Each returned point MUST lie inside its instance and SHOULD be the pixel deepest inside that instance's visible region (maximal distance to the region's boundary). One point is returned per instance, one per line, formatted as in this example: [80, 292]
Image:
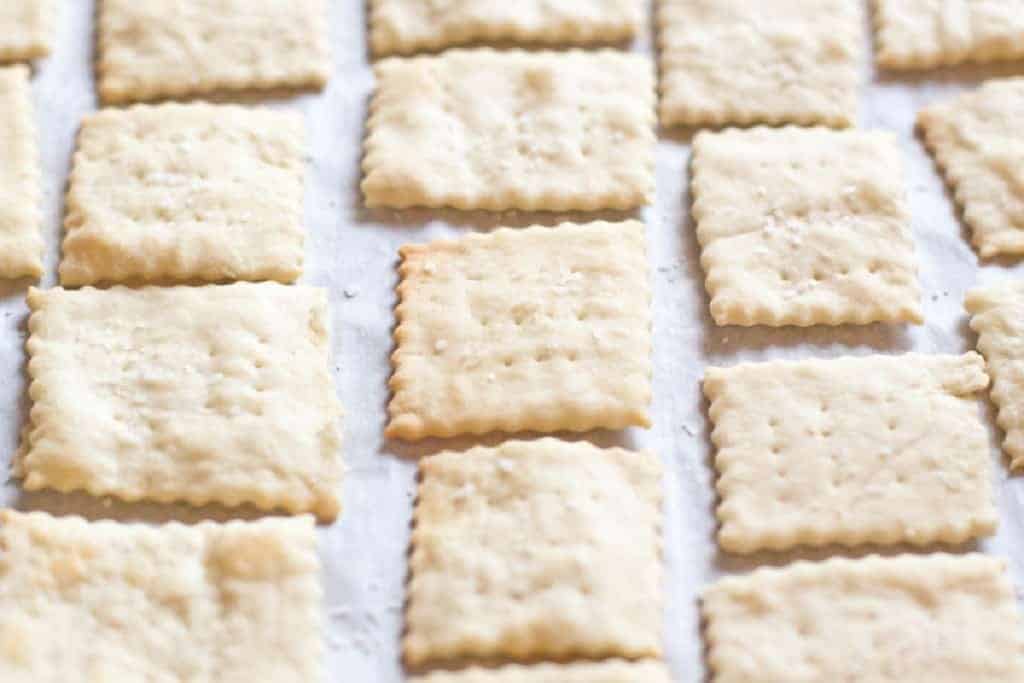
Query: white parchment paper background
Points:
[352, 252]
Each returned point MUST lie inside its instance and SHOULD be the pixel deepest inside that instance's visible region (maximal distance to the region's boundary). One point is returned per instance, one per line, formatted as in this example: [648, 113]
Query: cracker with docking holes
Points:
[215, 394]
[185, 193]
[406, 26]
[790, 237]
[103, 601]
[541, 329]
[156, 49]
[950, 618]
[535, 550]
[920, 34]
[773, 61]
[535, 131]
[21, 238]
[855, 450]
[976, 142]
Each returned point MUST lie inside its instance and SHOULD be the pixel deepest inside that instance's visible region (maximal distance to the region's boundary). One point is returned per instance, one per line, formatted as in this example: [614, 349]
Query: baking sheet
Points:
[352, 252]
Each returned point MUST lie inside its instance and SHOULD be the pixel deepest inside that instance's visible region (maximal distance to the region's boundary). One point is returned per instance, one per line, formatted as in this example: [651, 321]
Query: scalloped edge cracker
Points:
[154, 49]
[499, 130]
[855, 450]
[997, 316]
[949, 618]
[26, 29]
[976, 143]
[772, 61]
[532, 550]
[185, 193]
[21, 220]
[198, 394]
[102, 601]
[406, 26]
[610, 671]
[541, 329]
[922, 34]
[790, 237]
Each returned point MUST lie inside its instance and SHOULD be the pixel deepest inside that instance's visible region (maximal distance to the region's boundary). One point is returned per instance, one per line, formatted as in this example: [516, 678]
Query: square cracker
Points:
[102, 601]
[541, 329]
[976, 141]
[405, 26]
[21, 239]
[919, 34]
[900, 620]
[26, 29]
[997, 315]
[185, 192]
[905, 619]
[197, 394]
[876, 449]
[771, 61]
[154, 49]
[482, 129]
[533, 550]
[790, 237]
[610, 671]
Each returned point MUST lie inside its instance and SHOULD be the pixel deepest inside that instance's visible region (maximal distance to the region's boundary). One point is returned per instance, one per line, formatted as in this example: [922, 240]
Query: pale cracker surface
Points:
[976, 141]
[875, 449]
[26, 29]
[536, 549]
[541, 329]
[483, 129]
[185, 192]
[907, 619]
[611, 671]
[21, 239]
[406, 26]
[997, 315]
[197, 394]
[790, 237]
[154, 49]
[770, 61]
[210, 603]
[920, 34]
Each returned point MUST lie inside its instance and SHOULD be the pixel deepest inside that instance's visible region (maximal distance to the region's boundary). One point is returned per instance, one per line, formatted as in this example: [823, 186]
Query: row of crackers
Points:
[797, 227]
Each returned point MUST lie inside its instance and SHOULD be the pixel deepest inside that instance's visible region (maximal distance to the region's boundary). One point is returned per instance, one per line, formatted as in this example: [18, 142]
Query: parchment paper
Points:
[352, 252]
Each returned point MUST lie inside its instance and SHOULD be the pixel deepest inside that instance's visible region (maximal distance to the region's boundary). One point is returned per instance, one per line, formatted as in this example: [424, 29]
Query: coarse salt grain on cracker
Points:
[406, 26]
[541, 329]
[997, 316]
[920, 34]
[199, 394]
[976, 141]
[609, 671]
[185, 192]
[876, 449]
[535, 550]
[155, 49]
[26, 29]
[21, 239]
[498, 130]
[905, 619]
[102, 601]
[771, 61]
[791, 237]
